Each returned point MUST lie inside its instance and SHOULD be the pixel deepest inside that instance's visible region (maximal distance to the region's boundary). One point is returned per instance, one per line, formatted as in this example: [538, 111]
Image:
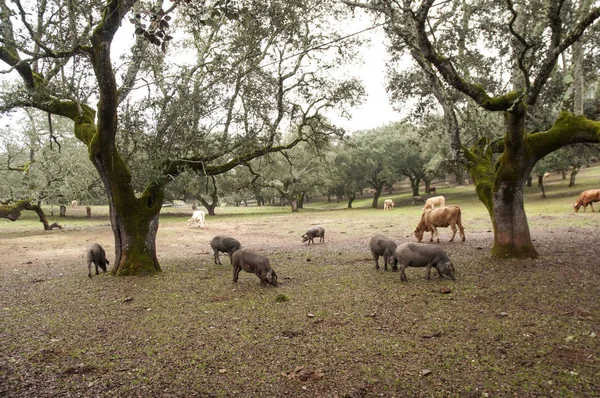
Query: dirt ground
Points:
[335, 327]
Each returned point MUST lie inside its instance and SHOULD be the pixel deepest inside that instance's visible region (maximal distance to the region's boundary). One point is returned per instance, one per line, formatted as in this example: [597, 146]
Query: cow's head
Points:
[576, 206]
[419, 233]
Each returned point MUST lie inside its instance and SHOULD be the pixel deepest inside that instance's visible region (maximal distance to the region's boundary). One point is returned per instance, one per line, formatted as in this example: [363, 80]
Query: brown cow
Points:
[440, 217]
[586, 198]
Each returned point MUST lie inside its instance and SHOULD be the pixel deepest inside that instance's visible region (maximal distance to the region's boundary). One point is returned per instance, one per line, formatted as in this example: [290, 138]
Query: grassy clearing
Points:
[334, 327]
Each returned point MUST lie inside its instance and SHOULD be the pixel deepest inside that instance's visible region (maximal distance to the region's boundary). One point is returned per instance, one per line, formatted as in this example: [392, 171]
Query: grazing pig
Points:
[224, 244]
[95, 254]
[412, 254]
[250, 261]
[314, 232]
[382, 246]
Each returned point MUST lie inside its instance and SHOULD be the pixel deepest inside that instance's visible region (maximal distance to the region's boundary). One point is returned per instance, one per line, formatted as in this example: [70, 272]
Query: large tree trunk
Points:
[135, 244]
[511, 230]
[134, 221]
[500, 187]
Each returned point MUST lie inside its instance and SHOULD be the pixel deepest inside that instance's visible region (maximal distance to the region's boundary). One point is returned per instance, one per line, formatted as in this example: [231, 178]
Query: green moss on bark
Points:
[568, 129]
[139, 219]
[512, 251]
[481, 170]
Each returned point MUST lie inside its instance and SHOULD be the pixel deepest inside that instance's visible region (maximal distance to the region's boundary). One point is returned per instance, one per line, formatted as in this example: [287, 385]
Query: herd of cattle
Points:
[409, 254]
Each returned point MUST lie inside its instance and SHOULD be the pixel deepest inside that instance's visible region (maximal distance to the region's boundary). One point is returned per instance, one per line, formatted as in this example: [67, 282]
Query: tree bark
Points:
[541, 186]
[414, 185]
[300, 200]
[351, 198]
[134, 221]
[214, 195]
[574, 172]
[13, 211]
[376, 196]
[500, 185]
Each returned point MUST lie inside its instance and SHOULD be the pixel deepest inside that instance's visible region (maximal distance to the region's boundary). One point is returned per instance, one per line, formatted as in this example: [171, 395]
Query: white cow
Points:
[197, 219]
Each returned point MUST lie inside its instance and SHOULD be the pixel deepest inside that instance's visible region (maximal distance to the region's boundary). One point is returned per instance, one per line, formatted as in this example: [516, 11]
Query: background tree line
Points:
[371, 160]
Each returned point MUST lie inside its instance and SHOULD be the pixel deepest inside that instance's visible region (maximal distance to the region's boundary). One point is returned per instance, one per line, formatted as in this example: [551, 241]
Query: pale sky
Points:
[376, 110]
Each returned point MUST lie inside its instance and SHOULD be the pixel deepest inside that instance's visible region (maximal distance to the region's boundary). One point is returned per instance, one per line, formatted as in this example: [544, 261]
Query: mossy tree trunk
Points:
[300, 200]
[511, 229]
[134, 220]
[500, 183]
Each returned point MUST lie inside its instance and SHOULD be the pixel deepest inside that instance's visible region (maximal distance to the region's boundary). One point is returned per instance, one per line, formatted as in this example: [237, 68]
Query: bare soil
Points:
[335, 327]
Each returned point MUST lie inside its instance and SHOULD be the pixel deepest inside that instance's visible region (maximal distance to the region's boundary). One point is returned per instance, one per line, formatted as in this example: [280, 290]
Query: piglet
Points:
[95, 254]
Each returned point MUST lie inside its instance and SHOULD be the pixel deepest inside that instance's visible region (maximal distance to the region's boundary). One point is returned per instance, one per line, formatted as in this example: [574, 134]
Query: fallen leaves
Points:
[304, 374]
[432, 335]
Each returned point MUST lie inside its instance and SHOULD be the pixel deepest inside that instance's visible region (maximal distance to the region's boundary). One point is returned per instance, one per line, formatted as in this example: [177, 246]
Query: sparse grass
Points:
[334, 327]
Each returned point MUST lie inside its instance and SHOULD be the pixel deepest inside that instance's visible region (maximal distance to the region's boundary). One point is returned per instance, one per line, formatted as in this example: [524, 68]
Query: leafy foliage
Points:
[52, 170]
